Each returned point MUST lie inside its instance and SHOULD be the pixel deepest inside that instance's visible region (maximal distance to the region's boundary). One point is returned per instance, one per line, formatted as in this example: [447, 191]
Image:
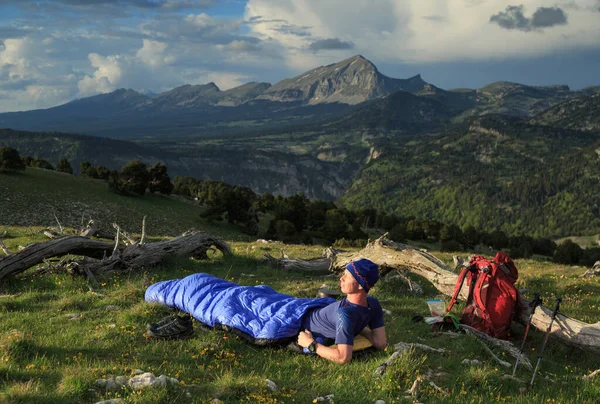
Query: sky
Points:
[54, 51]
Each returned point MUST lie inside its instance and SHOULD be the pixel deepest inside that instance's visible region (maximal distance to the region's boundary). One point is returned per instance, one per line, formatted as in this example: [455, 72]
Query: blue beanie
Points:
[365, 272]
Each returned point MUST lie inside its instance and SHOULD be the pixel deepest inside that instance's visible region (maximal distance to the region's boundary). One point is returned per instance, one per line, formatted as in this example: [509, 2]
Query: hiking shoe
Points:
[171, 321]
[168, 334]
[178, 328]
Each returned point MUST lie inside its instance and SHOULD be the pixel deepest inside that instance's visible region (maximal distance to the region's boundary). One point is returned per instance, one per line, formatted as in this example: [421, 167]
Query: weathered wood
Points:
[95, 232]
[319, 265]
[506, 346]
[143, 238]
[35, 254]
[399, 348]
[131, 257]
[589, 377]
[129, 238]
[3, 248]
[51, 234]
[594, 271]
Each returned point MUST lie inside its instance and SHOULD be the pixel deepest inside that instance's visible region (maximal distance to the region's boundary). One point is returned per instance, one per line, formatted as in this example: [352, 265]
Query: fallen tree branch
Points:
[4, 249]
[143, 238]
[131, 257]
[594, 271]
[60, 228]
[414, 390]
[50, 234]
[481, 337]
[290, 264]
[589, 377]
[399, 349]
[129, 238]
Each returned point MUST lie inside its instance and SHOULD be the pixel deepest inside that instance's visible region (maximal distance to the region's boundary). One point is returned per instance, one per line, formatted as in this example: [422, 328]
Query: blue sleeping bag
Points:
[262, 315]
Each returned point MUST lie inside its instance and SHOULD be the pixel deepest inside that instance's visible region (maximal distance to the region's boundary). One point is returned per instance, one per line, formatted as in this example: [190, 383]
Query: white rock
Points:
[379, 402]
[466, 362]
[139, 372]
[385, 311]
[188, 394]
[113, 401]
[271, 385]
[101, 383]
[111, 385]
[160, 381]
[73, 316]
[142, 381]
[476, 362]
[328, 398]
[121, 380]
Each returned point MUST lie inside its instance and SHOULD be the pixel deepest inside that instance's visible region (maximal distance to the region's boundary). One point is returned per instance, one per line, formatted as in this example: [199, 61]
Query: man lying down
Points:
[322, 326]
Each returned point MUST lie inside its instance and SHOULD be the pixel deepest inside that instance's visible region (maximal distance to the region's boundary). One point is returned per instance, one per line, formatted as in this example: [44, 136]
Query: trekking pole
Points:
[537, 300]
[541, 354]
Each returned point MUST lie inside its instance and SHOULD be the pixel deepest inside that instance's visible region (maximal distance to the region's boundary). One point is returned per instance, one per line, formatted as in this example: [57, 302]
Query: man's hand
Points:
[305, 338]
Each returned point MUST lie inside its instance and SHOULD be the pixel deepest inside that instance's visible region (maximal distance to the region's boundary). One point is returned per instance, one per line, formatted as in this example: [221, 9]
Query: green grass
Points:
[30, 198]
[53, 359]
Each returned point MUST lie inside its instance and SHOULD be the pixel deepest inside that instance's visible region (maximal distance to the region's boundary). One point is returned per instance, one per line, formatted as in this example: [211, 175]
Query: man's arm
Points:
[341, 354]
[377, 337]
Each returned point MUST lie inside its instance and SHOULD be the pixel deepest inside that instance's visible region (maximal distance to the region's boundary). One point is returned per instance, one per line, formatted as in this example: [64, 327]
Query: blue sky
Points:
[53, 51]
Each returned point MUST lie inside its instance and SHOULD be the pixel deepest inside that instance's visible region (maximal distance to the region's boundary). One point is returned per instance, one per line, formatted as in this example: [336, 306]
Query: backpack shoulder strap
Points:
[459, 284]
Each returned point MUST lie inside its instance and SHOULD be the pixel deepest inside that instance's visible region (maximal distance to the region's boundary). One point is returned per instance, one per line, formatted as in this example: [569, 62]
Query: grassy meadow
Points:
[34, 197]
[58, 336]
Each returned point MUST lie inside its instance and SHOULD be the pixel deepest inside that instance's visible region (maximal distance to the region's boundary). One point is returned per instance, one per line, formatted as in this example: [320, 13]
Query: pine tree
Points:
[10, 160]
[64, 166]
[159, 180]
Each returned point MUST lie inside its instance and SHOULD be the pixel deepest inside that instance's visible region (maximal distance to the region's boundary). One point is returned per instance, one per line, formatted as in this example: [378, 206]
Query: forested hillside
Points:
[500, 173]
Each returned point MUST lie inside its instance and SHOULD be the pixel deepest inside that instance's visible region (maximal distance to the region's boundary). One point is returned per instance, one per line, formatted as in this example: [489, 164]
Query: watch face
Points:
[312, 347]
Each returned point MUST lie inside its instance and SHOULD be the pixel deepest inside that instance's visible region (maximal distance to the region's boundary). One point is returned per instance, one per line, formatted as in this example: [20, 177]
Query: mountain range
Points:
[319, 94]
[524, 159]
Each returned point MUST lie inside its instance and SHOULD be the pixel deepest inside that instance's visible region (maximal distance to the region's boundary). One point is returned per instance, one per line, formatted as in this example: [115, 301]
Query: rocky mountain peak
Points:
[350, 81]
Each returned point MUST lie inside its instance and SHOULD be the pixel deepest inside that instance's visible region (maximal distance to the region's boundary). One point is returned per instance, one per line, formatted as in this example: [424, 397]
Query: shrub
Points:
[41, 163]
[449, 246]
[568, 253]
[64, 166]
[10, 160]
[159, 180]
[134, 177]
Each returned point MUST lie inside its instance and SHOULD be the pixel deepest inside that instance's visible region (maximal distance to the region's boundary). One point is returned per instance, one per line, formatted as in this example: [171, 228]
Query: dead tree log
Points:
[106, 257]
[390, 255]
[320, 265]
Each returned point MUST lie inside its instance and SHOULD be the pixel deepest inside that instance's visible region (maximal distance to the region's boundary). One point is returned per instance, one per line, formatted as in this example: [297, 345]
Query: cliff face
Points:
[350, 81]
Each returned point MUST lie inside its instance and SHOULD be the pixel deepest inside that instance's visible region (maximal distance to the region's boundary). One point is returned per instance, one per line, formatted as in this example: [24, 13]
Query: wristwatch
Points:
[312, 348]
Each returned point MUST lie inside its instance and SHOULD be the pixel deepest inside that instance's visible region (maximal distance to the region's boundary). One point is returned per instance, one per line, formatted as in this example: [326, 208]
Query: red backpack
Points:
[493, 298]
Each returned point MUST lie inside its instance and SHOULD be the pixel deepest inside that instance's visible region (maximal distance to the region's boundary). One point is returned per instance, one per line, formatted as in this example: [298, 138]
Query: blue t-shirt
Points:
[342, 321]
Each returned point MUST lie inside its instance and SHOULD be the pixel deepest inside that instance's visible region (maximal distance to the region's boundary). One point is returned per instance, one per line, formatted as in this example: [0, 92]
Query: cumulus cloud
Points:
[194, 28]
[414, 31]
[330, 44]
[82, 47]
[544, 17]
[241, 46]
